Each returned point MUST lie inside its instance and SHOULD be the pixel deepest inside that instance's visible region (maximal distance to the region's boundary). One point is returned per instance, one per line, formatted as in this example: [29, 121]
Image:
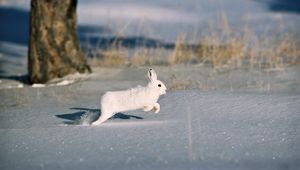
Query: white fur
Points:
[139, 97]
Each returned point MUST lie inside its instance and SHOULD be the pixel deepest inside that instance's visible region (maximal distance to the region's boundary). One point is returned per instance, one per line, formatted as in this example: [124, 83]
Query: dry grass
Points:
[222, 47]
[181, 53]
[219, 54]
[146, 56]
[245, 49]
[112, 57]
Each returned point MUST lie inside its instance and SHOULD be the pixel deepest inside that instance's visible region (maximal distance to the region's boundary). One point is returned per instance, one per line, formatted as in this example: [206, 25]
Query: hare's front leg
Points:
[156, 108]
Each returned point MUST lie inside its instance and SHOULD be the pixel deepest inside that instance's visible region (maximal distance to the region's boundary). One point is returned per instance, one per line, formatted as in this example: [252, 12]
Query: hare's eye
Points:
[159, 85]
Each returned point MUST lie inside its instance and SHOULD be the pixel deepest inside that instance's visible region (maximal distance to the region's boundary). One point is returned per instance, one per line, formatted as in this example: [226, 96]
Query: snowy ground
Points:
[47, 128]
[194, 130]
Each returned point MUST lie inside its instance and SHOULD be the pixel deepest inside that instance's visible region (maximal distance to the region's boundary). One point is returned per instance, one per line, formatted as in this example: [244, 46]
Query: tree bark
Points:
[54, 48]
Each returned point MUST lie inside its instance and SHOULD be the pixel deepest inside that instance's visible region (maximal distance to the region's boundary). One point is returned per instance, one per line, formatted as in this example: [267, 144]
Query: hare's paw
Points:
[156, 108]
[99, 121]
[96, 123]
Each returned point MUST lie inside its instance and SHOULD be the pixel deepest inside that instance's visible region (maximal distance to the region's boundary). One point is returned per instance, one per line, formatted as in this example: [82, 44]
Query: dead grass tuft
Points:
[245, 49]
[181, 53]
[146, 56]
[112, 57]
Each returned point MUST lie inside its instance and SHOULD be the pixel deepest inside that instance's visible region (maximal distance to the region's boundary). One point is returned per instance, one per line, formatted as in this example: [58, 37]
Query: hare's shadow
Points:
[85, 116]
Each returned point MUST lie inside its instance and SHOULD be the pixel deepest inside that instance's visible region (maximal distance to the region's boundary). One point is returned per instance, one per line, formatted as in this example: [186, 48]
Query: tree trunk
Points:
[54, 49]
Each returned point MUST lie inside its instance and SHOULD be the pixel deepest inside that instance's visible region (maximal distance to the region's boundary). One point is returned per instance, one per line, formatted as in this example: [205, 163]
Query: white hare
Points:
[139, 97]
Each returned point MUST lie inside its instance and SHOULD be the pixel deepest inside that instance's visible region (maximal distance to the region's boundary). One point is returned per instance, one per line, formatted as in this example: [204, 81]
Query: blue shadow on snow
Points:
[76, 118]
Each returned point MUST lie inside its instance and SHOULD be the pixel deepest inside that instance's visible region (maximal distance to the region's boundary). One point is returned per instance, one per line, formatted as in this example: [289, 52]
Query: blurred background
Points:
[215, 36]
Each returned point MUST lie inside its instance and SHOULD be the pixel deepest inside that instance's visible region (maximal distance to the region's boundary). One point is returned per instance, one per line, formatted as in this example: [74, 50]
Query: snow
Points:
[99, 12]
[60, 83]
[164, 20]
[13, 59]
[38, 85]
[49, 127]
[65, 82]
[194, 130]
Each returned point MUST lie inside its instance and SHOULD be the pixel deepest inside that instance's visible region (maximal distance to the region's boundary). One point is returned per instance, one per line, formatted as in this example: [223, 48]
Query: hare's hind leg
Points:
[104, 116]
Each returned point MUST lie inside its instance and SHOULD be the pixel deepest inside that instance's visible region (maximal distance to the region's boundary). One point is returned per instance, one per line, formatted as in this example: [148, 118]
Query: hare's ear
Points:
[152, 75]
